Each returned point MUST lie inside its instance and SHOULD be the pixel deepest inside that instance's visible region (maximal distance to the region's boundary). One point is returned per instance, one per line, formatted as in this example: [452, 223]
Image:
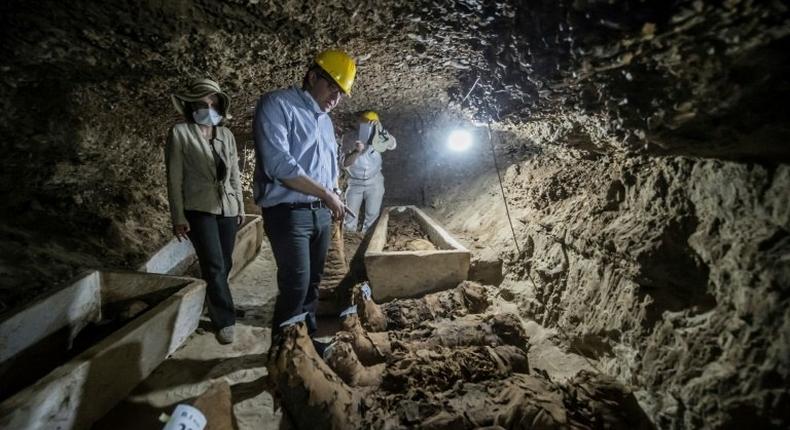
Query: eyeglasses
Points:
[334, 88]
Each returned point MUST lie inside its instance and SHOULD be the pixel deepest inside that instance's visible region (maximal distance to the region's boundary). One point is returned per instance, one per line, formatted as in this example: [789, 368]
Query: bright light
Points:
[459, 140]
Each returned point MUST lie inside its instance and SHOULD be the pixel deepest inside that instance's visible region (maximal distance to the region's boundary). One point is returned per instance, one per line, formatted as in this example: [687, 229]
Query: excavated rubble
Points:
[404, 233]
[669, 272]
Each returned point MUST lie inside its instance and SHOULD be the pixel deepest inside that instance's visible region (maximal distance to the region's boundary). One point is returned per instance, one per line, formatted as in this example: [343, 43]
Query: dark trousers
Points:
[299, 240]
[213, 237]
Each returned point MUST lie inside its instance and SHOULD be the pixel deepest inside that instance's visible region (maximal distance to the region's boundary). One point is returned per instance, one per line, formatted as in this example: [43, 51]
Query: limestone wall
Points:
[672, 272]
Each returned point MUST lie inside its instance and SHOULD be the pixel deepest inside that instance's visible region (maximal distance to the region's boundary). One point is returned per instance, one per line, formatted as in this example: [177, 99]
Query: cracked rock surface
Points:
[642, 146]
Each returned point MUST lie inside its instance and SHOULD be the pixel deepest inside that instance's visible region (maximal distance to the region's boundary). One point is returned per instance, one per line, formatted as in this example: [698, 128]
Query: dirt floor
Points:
[202, 360]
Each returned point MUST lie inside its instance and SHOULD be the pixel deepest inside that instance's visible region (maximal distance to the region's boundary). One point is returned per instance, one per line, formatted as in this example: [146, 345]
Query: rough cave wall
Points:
[645, 145]
[672, 272]
[651, 202]
[422, 167]
[85, 92]
[404, 168]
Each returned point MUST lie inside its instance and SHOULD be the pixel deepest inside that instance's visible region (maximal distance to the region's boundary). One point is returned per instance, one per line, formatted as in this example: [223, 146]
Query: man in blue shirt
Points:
[295, 177]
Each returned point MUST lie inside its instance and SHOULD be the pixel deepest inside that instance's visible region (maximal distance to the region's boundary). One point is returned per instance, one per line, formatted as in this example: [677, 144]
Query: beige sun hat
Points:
[196, 91]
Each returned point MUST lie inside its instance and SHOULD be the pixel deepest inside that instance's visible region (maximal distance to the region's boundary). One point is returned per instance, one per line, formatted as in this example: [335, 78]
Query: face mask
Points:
[206, 116]
[365, 129]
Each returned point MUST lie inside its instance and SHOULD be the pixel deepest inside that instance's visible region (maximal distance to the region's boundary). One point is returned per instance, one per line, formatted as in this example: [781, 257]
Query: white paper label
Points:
[186, 417]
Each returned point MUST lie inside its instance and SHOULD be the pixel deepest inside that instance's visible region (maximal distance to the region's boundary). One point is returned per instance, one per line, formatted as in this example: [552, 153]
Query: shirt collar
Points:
[310, 101]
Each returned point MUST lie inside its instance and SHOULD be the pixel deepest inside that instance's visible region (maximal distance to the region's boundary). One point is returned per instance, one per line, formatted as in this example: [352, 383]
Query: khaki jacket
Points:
[192, 174]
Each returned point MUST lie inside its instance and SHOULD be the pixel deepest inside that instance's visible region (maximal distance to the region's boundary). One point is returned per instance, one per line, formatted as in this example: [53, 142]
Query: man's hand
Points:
[334, 204]
[359, 147]
[180, 231]
[307, 185]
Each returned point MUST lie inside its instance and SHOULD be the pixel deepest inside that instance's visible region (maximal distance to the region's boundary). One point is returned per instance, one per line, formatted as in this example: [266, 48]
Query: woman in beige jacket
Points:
[204, 190]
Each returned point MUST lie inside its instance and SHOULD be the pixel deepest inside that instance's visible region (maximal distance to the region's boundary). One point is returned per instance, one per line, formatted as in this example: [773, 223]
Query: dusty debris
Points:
[517, 402]
[404, 233]
[599, 401]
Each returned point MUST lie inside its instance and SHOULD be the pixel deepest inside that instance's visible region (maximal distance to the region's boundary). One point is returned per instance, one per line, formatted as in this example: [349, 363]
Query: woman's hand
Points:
[180, 231]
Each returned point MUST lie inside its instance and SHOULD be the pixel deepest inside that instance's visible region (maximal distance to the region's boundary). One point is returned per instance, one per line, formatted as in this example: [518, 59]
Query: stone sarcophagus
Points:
[410, 254]
[68, 357]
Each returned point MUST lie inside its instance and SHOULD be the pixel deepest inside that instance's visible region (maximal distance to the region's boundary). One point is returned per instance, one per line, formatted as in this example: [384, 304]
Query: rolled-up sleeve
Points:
[270, 131]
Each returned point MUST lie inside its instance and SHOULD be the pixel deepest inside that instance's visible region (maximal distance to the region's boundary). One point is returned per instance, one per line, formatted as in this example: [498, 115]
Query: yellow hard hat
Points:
[340, 66]
[369, 116]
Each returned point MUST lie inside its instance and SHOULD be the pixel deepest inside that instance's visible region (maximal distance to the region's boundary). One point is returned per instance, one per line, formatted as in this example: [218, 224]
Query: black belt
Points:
[317, 204]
